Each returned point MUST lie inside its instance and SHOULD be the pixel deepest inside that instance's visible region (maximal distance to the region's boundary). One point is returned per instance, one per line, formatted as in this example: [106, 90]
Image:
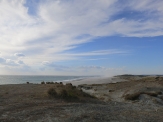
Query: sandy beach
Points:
[98, 80]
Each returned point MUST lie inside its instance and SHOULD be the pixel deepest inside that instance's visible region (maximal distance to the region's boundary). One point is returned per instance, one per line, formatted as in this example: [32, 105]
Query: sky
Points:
[81, 37]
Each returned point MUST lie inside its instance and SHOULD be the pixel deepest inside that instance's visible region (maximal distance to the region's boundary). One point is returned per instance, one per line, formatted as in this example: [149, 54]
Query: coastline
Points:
[97, 80]
[77, 80]
[36, 79]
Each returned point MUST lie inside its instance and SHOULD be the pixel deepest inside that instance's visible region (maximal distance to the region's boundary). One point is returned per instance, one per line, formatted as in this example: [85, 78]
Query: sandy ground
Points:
[98, 80]
[131, 99]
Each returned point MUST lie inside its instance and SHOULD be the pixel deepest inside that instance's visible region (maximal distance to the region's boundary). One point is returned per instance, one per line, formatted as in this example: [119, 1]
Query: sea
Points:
[37, 79]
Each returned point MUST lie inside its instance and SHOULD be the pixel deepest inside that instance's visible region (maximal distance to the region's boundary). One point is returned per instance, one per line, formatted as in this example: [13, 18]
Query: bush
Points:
[50, 82]
[68, 95]
[42, 82]
[68, 84]
[52, 92]
[135, 96]
[73, 87]
[63, 94]
[157, 78]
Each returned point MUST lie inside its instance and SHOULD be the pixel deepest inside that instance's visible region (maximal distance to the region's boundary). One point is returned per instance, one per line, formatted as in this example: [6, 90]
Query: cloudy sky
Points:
[81, 37]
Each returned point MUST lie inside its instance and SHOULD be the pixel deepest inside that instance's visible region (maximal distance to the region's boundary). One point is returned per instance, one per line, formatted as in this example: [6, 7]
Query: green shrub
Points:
[52, 92]
[68, 84]
[49, 82]
[42, 82]
[63, 94]
[68, 93]
[73, 87]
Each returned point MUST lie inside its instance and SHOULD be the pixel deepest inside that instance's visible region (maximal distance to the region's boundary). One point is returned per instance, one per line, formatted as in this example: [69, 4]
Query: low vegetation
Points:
[42, 82]
[67, 92]
[52, 92]
[135, 96]
[49, 82]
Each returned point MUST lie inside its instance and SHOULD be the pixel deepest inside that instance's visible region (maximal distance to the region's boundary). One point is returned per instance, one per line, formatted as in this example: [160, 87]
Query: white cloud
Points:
[20, 62]
[146, 5]
[52, 65]
[2, 60]
[101, 68]
[7, 62]
[19, 54]
[48, 67]
[11, 63]
[92, 67]
[58, 26]
[45, 63]
[97, 53]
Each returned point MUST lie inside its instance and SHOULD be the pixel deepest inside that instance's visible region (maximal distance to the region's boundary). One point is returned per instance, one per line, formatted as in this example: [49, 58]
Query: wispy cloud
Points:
[95, 59]
[10, 62]
[54, 27]
[2, 60]
[19, 54]
[98, 53]
[80, 70]
[57, 24]
[7, 62]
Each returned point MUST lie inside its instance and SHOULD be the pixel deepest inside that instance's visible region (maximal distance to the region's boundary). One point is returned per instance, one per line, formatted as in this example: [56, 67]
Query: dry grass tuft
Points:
[52, 92]
[135, 96]
[67, 92]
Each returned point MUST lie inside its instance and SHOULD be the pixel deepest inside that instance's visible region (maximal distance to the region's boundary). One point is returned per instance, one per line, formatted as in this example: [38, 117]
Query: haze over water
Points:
[20, 79]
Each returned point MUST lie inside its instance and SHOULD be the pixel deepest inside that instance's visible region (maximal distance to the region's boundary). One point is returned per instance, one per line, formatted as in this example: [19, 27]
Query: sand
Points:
[98, 80]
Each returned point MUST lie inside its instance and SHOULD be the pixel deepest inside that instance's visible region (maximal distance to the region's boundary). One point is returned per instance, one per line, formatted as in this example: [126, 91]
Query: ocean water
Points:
[19, 79]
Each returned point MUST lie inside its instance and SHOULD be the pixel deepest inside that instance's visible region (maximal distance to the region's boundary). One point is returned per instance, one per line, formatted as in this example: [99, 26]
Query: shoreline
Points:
[78, 81]
[4, 80]
[97, 80]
